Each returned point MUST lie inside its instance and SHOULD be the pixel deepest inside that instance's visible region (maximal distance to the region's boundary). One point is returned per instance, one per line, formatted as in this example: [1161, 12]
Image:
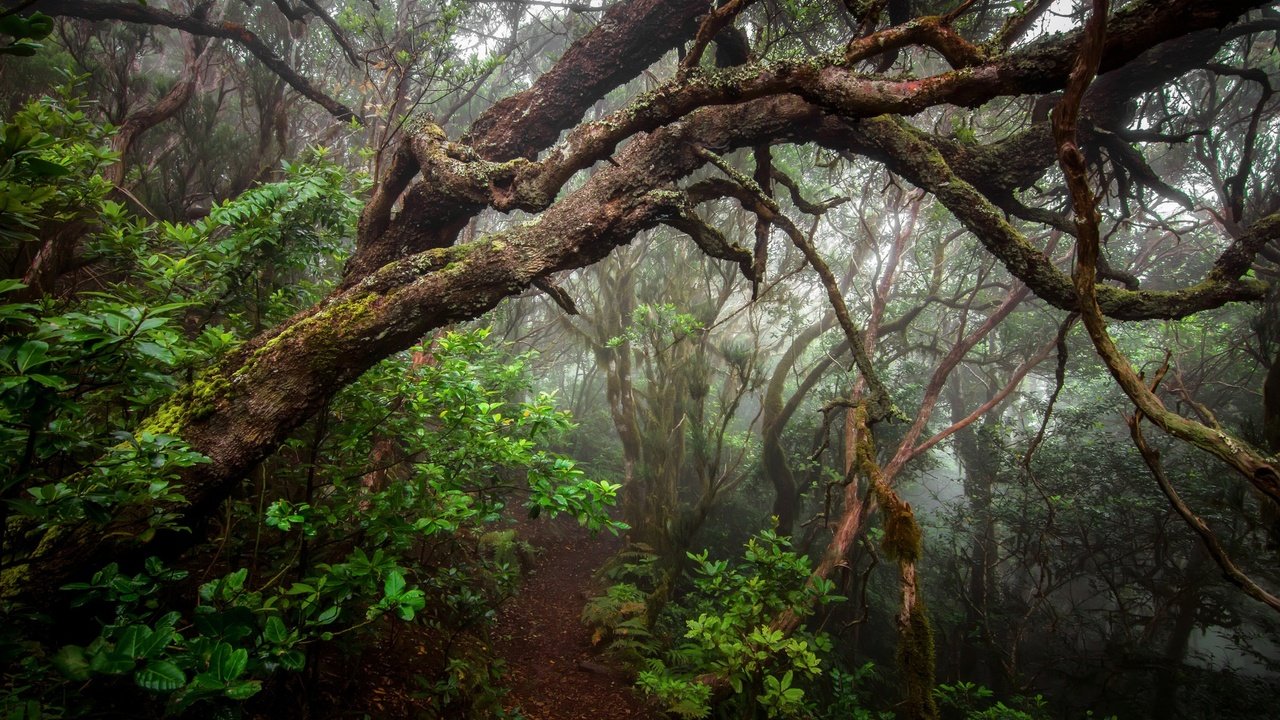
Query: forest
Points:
[640, 359]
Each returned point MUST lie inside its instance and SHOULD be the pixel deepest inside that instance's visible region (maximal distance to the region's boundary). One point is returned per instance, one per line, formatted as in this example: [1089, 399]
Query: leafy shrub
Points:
[971, 701]
[375, 513]
[728, 634]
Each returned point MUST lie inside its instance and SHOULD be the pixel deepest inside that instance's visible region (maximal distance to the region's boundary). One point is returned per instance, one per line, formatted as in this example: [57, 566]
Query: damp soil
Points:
[549, 664]
[553, 670]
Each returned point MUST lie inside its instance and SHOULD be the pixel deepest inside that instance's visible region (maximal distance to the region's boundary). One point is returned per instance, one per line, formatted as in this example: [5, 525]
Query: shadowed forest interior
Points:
[639, 359]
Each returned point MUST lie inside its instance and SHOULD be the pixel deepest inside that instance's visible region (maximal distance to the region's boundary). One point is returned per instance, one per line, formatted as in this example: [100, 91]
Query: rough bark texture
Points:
[406, 279]
[629, 38]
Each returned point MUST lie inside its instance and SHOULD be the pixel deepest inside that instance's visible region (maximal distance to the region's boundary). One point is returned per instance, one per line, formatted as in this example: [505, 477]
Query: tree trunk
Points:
[979, 661]
[1271, 436]
[773, 458]
[402, 282]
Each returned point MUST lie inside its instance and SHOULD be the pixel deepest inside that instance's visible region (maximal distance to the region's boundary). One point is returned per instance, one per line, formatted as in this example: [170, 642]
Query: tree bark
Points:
[404, 282]
[773, 457]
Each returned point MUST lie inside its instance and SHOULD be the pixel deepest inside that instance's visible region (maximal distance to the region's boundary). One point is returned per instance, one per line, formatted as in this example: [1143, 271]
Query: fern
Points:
[613, 607]
[619, 621]
[636, 563]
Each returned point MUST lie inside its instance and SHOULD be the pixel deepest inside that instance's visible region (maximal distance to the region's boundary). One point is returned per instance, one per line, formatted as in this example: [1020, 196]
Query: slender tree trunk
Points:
[773, 457]
[1169, 673]
[1271, 436]
[978, 659]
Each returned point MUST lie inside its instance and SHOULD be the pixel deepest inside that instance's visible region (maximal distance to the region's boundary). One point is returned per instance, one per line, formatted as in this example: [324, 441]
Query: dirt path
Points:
[541, 637]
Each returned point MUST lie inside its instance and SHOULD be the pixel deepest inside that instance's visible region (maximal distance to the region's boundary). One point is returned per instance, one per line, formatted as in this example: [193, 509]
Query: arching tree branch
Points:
[194, 24]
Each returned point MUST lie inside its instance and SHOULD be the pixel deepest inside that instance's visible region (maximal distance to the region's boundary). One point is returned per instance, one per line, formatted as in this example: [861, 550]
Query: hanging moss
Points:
[915, 657]
[902, 537]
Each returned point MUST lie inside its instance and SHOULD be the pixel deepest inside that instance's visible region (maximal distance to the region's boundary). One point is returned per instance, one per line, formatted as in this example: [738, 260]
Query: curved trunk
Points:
[195, 61]
[774, 419]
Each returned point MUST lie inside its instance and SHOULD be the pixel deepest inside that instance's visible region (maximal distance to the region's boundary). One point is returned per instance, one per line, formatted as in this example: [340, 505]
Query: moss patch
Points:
[321, 329]
[194, 401]
[915, 658]
[902, 537]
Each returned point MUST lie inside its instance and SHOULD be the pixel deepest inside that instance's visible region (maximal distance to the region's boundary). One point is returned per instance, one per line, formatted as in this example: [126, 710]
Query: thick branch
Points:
[142, 14]
[630, 37]
[933, 32]
[431, 218]
[711, 26]
[918, 161]
[1230, 570]
[239, 411]
[195, 60]
[1253, 465]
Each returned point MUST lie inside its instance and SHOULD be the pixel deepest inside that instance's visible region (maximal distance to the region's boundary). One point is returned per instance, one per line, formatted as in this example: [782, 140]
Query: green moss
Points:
[321, 329]
[422, 126]
[194, 401]
[915, 657]
[17, 578]
[902, 537]
[431, 260]
[667, 197]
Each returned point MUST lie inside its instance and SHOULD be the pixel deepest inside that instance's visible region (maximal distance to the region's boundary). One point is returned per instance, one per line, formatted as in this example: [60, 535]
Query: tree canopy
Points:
[800, 247]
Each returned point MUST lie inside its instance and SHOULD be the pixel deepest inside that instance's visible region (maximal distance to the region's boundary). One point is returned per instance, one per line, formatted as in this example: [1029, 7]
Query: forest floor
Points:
[552, 669]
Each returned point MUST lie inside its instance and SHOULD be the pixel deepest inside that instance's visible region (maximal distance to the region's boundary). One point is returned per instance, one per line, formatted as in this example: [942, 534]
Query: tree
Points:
[409, 275]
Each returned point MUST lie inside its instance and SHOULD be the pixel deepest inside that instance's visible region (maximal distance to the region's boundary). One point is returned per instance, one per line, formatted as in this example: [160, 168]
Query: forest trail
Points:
[543, 641]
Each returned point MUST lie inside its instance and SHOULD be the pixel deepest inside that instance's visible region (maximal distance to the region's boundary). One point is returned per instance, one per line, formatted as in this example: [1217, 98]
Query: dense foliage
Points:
[377, 513]
[921, 373]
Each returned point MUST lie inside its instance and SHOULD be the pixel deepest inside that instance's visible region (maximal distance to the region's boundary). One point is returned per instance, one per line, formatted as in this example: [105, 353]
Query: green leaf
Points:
[14, 25]
[156, 352]
[153, 642]
[394, 584]
[327, 616]
[53, 382]
[243, 690]
[293, 660]
[21, 48]
[31, 354]
[72, 662]
[206, 682]
[275, 632]
[300, 589]
[132, 640]
[160, 676]
[39, 25]
[44, 168]
[111, 663]
[228, 664]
